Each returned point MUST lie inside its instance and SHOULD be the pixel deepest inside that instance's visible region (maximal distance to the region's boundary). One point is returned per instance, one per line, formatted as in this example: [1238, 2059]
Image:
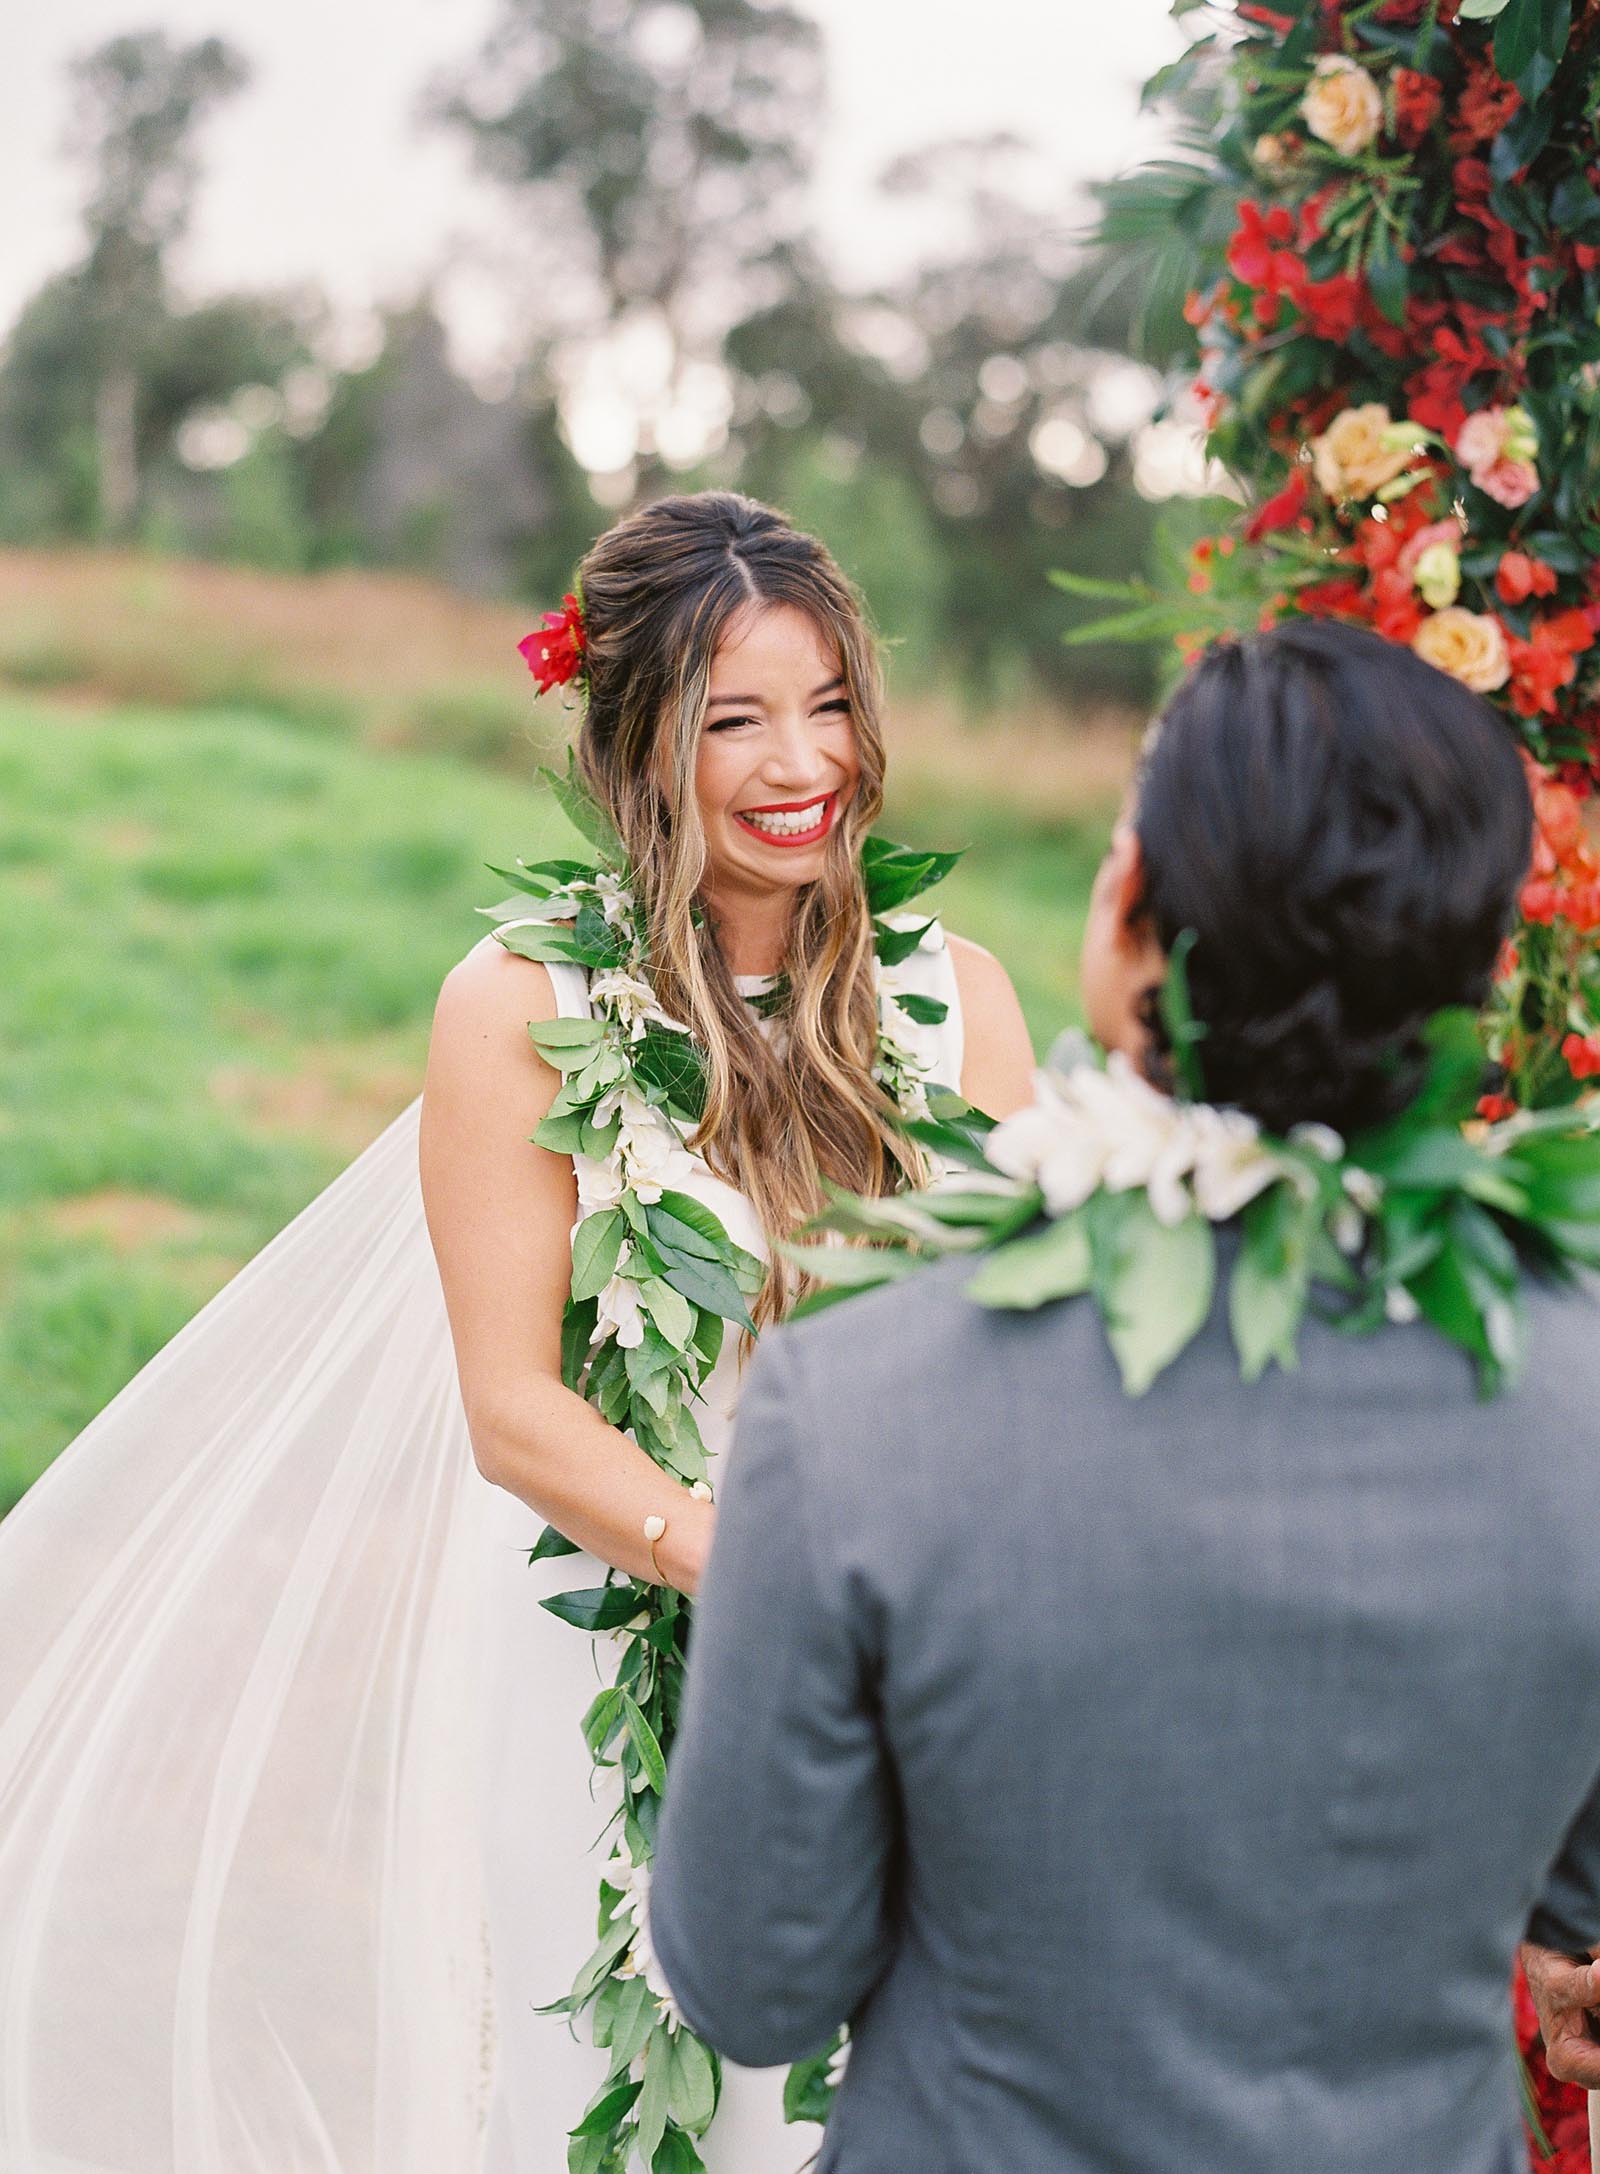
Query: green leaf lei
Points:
[1106, 1187]
[656, 1283]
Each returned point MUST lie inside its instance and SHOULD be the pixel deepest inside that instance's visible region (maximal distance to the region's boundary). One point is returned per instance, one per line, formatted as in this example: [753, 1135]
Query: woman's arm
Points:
[998, 1065]
[500, 1213]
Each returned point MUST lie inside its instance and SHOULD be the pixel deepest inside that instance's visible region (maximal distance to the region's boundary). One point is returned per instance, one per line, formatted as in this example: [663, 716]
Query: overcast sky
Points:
[317, 172]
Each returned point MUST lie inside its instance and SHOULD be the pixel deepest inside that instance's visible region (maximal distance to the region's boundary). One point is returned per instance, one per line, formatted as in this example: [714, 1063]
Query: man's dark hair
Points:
[1345, 829]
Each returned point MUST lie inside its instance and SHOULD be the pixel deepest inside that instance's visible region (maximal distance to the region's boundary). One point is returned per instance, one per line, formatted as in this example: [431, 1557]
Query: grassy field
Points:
[222, 929]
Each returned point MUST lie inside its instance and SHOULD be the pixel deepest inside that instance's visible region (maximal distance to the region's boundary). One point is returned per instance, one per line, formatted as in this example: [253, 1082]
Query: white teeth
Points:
[790, 823]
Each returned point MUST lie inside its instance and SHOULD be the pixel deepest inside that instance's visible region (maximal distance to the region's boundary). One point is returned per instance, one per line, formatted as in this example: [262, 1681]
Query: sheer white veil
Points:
[240, 1925]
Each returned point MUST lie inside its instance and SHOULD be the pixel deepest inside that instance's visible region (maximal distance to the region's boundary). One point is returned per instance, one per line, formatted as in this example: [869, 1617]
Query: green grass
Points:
[220, 943]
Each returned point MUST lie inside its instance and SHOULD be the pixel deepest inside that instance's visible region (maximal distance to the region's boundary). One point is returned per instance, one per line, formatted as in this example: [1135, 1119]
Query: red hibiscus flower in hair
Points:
[554, 650]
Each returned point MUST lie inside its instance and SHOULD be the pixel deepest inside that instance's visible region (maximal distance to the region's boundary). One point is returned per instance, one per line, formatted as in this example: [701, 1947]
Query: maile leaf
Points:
[595, 1607]
[582, 813]
[707, 1285]
[596, 1246]
[551, 1543]
[702, 1230]
[645, 1742]
[670, 1310]
[655, 2098]
[1154, 1281]
[895, 873]
[692, 2092]
[895, 945]
[1031, 1272]
[1271, 1278]
[608, 2110]
[633, 2022]
[567, 1043]
[675, 2154]
[807, 2095]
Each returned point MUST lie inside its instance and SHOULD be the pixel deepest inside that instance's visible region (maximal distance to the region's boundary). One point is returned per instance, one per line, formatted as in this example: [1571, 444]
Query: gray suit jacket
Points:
[1159, 1786]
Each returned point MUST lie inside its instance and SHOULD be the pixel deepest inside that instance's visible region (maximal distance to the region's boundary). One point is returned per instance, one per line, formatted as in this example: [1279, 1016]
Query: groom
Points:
[1164, 1786]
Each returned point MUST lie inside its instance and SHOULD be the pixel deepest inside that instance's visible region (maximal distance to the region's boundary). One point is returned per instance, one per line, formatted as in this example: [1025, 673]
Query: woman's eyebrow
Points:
[754, 701]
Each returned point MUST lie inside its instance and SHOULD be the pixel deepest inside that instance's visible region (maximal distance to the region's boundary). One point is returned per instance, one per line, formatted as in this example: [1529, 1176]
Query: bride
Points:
[296, 1819]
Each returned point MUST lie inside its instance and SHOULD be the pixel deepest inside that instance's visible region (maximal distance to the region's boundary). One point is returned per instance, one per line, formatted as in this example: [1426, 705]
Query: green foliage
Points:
[218, 963]
[1431, 1213]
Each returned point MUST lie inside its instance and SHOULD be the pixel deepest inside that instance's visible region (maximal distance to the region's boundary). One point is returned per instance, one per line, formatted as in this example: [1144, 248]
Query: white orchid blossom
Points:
[631, 1001]
[648, 1156]
[1231, 1165]
[600, 1184]
[620, 1314]
[616, 900]
[634, 1883]
[1087, 1129]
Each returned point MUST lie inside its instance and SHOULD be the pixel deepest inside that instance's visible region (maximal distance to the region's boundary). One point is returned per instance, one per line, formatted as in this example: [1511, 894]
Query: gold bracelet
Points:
[654, 1530]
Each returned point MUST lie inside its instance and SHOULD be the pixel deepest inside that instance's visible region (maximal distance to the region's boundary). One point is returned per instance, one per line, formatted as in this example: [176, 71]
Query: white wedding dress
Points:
[295, 1815]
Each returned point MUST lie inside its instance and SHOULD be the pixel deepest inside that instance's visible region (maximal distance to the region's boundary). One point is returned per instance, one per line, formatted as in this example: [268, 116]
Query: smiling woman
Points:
[740, 1019]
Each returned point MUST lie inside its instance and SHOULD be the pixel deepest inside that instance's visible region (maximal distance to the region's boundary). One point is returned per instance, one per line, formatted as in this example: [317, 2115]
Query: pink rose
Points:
[1481, 440]
[1508, 482]
[1497, 447]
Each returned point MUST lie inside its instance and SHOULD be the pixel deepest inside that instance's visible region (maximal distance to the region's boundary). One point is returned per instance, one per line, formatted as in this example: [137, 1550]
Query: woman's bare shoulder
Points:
[997, 1073]
[488, 1001]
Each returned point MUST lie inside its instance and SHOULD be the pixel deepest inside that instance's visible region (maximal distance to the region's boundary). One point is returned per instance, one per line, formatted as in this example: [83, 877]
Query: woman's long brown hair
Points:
[661, 591]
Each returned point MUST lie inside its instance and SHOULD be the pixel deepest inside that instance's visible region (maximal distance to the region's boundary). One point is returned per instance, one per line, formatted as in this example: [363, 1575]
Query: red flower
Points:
[1281, 511]
[1496, 1108]
[1582, 1052]
[1399, 610]
[1332, 308]
[554, 650]
[1417, 100]
[1485, 105]
[1560, 818]
[1521, 576]
[1337, 599]
[1267, 18]
[1256, 255]
[1540, 900]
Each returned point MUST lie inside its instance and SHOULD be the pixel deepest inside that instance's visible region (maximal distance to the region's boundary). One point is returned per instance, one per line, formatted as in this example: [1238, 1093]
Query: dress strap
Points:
[571, 986]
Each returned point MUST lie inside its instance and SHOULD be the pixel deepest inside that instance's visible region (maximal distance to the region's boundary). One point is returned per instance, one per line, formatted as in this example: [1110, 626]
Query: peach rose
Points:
[1469, 645]
[1360, 451]
[1344, 106]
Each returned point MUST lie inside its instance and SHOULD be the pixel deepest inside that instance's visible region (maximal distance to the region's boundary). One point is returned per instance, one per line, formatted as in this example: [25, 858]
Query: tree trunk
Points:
[118, 451]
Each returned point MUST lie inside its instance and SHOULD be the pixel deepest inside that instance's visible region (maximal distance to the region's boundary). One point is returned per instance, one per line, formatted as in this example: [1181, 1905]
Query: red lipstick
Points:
[818, 830]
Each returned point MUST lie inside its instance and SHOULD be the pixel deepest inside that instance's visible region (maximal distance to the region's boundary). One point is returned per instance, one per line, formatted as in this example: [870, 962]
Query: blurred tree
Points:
[993, 387]
[412, 467]
[139, 101]
[662, 153]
